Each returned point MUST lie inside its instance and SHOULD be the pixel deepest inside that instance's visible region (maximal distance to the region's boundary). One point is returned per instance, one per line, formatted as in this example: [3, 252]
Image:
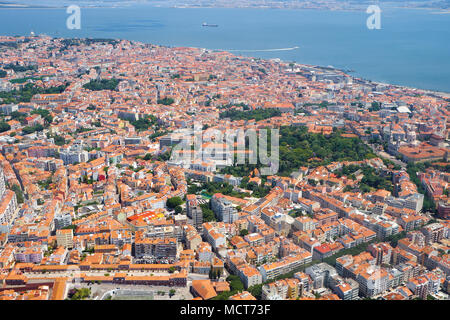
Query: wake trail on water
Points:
[258, 50]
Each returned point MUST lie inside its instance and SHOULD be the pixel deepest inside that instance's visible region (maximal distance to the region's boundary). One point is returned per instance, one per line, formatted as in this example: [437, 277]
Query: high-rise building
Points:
[62, 221]
[320, 274]
[433, 232]
[64, 238]
[197, 218]
[2, 183]
[191, 201]
[223, 209]
[8, 201]
[372, 281]
[194, 211]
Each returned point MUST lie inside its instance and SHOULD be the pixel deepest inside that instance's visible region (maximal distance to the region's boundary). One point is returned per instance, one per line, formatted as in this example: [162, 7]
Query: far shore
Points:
[175, 6]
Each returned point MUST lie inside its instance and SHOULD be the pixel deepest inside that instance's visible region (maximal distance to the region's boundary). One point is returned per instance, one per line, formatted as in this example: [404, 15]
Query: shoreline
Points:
[361, 8]
[348, 70]
[442, 94]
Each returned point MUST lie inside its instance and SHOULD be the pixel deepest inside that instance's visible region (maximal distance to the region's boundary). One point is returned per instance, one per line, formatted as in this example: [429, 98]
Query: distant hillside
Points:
[325, 4]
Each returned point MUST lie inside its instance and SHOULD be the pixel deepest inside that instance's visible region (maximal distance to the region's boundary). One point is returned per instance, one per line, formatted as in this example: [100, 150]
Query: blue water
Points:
[411, 49]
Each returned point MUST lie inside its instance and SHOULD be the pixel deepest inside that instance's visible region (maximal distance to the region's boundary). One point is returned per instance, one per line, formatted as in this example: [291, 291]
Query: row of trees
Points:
[215, 273]
[102, 84]
[241, 170]
[175, 203]
[236, 286]
[18, 192]
[19, 116]
[257, 114]
[32, 129]
[166, 101]
[28, 91]
[157, 133]
[208, 214]
[25, 79]
[259, 191]
[412, 169]
[45, 114]
[19, 68]
[59, 140]
[211, 188]
[66, 43]
[143, 124]
[299, 148]
[371, 178]
[80, 294]
[4, 126]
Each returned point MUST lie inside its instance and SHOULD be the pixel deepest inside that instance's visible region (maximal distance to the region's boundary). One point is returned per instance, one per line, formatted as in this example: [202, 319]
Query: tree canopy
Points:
[102, 84]
[4, 126]
[174, 202]
[166, 101]
[300, 148]
[257, 114]
[28, 91]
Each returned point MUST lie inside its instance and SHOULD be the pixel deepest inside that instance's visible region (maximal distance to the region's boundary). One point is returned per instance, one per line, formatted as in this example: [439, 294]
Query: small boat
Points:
[209, 25]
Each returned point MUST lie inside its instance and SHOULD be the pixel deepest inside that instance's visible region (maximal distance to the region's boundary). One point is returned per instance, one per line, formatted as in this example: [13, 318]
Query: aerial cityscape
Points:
[138, 171]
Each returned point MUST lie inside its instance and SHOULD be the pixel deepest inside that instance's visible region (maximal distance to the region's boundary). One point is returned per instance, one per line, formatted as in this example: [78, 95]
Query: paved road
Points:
[388, 156]
[102, 290]
[110, 292]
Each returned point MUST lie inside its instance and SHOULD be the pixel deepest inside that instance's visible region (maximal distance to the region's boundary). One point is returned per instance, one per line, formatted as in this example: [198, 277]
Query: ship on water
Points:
[209, 25]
